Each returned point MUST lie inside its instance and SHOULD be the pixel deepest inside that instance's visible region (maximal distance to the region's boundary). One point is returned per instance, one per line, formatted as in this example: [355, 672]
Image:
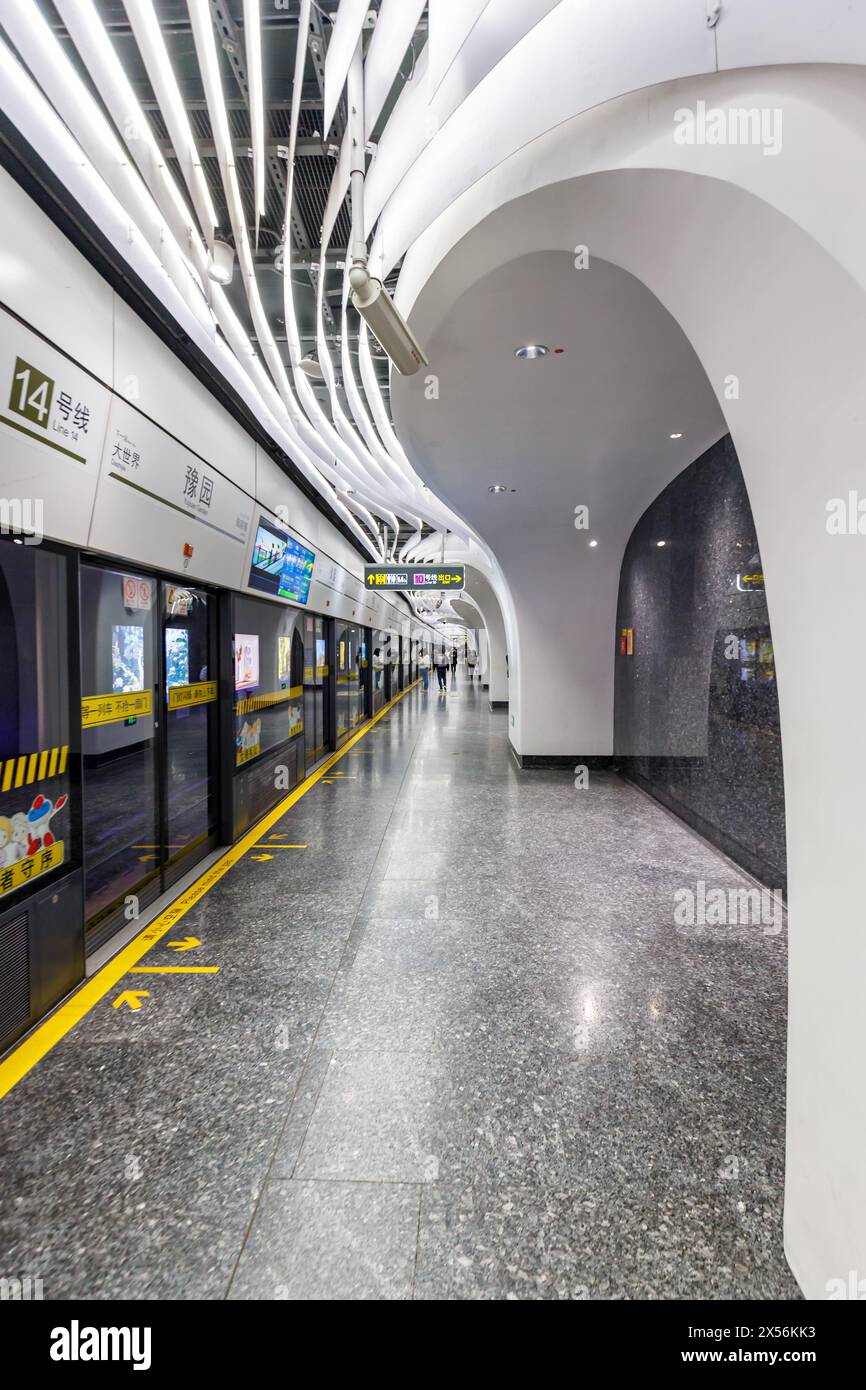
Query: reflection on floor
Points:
[458, 1048]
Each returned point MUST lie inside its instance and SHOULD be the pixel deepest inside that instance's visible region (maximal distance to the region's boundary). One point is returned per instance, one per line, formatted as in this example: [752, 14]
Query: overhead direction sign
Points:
[414, 577]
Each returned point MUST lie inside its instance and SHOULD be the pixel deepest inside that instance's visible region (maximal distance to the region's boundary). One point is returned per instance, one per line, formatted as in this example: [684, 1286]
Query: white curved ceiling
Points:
[589, 426]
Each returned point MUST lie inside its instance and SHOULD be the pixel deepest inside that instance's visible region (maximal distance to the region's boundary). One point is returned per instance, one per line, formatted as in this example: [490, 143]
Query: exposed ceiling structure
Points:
[206, 120]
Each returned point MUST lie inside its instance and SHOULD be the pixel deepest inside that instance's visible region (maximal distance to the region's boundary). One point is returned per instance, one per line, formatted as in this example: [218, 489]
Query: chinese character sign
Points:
[417, 577]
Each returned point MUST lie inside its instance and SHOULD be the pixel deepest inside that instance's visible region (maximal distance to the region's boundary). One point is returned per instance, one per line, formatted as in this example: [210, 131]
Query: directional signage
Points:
[414, 577]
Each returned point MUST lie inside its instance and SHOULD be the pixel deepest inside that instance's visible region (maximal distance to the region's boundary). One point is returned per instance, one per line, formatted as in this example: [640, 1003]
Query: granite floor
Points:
[458, 1048]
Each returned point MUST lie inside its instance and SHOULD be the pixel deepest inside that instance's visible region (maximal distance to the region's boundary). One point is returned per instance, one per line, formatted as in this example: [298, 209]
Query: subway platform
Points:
[443, 1039]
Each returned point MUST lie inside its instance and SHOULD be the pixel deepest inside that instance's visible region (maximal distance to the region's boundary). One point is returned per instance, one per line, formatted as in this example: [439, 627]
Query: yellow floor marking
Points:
[48, 1033]
[175, 970]
[132, 997]
[270, 846]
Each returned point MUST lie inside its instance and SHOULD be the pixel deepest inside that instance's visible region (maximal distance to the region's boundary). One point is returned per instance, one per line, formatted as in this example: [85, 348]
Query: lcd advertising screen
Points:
[246, 661]
[284, 657]
[176, 656]
[127, 658]
[281, 566]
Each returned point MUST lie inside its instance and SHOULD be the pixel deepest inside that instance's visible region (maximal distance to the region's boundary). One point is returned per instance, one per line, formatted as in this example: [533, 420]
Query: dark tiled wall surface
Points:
[696, 704]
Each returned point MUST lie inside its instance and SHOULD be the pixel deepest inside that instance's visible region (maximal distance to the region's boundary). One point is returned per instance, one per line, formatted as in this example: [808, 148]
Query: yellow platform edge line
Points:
[47, 1034]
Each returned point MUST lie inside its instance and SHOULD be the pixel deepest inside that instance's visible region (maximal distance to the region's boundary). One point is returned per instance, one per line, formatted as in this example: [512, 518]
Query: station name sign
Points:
[414, 577]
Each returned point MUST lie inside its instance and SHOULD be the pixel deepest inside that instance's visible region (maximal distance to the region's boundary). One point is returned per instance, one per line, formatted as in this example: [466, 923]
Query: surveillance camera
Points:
[385, 321]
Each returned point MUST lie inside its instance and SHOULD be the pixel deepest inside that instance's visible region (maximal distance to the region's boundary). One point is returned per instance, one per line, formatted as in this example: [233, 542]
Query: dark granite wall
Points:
[696, 711]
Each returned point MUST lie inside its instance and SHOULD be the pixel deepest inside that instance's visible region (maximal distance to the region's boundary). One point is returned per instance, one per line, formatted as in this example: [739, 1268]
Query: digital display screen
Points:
[281, 566]
[284, 657]
[127, 658]
[176, 656]
[246, 661]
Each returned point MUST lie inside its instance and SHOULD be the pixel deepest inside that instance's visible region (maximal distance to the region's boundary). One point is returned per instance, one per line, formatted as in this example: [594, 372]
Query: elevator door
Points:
[148, 740]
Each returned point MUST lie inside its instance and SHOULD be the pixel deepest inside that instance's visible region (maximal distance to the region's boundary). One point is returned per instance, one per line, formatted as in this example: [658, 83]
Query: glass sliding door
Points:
[381, 669]
[351, 679]
[149, 739]
[269, 705]
[119, 707]
[315, 690]
[190, 757]
[39, 802]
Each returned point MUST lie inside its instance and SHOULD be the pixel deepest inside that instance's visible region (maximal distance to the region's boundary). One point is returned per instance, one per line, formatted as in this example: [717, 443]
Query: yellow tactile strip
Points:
[47, 1034]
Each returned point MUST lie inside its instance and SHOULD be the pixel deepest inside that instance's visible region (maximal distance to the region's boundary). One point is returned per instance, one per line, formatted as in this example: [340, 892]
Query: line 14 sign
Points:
[414, 577]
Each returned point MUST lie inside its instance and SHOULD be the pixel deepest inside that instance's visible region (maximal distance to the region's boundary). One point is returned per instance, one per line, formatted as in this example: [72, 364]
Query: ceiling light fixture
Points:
[676, 436]
[312, 367]
[531, 351]
[498, 487]
[661, 543]
[221, 263]
[593, 544]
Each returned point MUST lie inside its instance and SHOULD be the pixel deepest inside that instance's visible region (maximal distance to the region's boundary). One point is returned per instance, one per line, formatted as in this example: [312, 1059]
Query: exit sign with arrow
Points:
[403, 577]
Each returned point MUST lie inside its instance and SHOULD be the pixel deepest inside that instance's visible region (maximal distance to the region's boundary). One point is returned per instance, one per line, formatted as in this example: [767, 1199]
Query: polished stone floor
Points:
[458, 1047]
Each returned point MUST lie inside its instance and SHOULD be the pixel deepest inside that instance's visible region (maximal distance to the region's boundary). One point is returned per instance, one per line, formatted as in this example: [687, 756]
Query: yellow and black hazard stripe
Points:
[273, 697]
[33, 767]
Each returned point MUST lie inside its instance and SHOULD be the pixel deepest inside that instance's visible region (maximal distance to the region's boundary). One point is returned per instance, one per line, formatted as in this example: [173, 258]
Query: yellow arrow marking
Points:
[260, 858]
[26, 1055]
[188, 944]
[132, 997]
[174, 970]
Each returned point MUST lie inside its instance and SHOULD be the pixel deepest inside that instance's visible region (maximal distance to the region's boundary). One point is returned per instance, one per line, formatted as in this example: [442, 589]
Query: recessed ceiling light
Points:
[530, 351]
[676, 436]
[593, 544]
[660, 543]
[498, 487]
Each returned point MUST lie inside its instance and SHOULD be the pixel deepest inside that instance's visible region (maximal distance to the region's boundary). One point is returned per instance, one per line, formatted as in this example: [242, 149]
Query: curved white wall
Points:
[765, 279]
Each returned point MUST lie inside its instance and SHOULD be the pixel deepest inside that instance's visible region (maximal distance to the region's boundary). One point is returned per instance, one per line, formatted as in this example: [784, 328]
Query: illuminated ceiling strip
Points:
[338, 59]
[205, 46]
[380, 465]
[395, 27]
[31, 113]
[43, 54]
[411, 498]
[348, 450]
[105, 68]
[154, 55]
[253, 46]
[303, 442]
[451, 22]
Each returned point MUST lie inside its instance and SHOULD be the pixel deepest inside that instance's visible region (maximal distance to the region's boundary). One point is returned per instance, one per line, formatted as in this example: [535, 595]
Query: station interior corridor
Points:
[457, 1047]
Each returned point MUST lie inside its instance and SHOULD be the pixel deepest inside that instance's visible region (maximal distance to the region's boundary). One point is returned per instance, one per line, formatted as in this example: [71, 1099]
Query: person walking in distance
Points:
[424, 668]
[454, 661]
[442, 667]
[471, 662]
